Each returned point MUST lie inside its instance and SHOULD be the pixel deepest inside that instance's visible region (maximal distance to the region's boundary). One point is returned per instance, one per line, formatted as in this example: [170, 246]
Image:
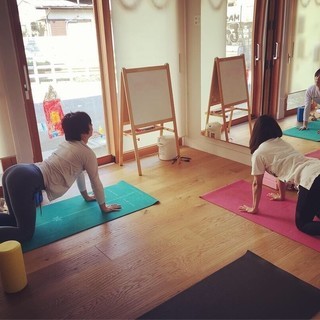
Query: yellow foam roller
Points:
[12, 268]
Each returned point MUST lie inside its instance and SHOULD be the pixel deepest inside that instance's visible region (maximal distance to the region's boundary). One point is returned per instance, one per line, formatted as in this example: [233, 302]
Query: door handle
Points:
[26, 84]
[275, 56]
[257, 57]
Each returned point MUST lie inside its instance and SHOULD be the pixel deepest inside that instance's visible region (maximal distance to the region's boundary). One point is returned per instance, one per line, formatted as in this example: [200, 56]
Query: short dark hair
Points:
[265, 128]
[74, 124]
[317, 74]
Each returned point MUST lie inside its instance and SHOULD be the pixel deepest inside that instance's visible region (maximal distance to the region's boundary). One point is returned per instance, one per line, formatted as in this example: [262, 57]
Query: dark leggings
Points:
[21, 183]
[308, 206]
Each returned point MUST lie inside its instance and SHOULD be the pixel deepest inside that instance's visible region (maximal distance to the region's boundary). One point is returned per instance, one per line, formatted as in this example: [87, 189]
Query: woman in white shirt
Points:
[272, 154]
[312, 98]
[23, 183]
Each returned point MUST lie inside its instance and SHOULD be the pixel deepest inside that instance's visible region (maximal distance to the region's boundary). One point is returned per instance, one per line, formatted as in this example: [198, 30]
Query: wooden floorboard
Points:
[125, 267]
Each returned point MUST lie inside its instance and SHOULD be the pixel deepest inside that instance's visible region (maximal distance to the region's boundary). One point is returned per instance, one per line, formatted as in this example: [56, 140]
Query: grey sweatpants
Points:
[20, 183]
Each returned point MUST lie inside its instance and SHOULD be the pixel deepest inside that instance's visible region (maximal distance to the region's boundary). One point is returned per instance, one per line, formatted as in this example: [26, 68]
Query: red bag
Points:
[53, 112]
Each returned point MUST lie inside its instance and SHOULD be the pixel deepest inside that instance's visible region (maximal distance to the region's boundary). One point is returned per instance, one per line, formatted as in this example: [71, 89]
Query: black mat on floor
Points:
[248, 288]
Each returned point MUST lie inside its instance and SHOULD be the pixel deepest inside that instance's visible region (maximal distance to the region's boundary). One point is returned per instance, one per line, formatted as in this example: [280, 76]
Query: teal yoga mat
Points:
[65, 218]
[310, 134]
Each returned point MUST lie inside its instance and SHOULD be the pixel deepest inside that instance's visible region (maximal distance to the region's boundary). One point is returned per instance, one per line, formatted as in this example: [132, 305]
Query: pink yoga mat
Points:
[277, 216]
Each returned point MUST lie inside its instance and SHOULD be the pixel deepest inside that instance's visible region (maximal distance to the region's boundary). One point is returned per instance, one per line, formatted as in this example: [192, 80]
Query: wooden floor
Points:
[124, 268]
[240, 134]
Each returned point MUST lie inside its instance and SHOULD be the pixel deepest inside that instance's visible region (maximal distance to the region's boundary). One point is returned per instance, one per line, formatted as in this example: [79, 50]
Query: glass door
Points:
[63, 67]
[268, 47]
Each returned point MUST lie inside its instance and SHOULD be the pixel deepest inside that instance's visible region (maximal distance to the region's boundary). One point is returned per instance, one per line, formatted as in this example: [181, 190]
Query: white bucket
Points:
[213, 130]
[167, 147]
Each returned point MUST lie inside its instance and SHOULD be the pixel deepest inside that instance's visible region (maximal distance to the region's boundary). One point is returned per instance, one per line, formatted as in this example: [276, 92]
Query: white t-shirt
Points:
[281, 160]
[66, 165]
[312, 94]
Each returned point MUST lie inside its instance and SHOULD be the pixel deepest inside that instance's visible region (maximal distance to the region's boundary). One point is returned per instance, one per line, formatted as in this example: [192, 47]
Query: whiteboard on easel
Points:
[230, 89]
[146, 105]
[229, 82]
[149, 95]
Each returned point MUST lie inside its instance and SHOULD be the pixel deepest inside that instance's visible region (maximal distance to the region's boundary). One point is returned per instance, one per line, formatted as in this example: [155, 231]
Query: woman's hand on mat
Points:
[303, 128]
[248, 209]
[275, 196]
[109, 208]
[88, 197]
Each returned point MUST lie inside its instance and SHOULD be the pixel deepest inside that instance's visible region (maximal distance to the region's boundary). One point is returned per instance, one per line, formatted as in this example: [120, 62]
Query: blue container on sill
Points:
[300, 111]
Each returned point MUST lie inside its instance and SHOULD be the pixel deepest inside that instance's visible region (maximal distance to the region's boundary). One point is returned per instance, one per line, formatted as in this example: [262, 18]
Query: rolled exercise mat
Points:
[12, 269]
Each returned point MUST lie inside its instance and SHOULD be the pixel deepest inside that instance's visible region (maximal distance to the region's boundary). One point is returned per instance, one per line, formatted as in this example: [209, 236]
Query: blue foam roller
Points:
[300, 111]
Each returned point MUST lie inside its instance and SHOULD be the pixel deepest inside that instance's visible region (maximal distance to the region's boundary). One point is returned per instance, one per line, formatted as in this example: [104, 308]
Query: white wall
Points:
[147, 35]
[14, 95]
[7, 148]
[306, 57]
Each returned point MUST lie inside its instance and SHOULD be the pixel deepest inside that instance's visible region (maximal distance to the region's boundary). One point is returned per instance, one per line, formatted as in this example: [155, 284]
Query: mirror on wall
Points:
[228, 96]
[236, 41]
[300, 58]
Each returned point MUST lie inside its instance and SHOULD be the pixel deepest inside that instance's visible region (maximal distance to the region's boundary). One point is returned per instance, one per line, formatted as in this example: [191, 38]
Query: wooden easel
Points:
[229, 88]
[146, 105]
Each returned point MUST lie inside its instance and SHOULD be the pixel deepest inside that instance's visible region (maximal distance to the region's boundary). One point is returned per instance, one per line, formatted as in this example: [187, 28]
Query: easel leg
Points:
[121, 148]
[136, 152]
[226, 128]
[177, 144]
[121, 131]
[230, 121]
